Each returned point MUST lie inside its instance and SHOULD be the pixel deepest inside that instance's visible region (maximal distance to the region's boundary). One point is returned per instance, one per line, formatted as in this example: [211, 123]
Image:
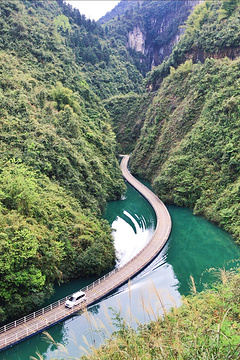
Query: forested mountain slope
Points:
[58, 162]
[108, 69]
[128, 113]
[147, 30]
[105, 68]
[189, 144]
[187, 332]
[211, 31]
[119, 10]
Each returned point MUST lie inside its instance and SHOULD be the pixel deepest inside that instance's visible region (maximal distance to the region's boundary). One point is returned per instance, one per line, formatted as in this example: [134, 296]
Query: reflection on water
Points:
[133, 222]
[130, 236]
[198, 248]
[195, 245]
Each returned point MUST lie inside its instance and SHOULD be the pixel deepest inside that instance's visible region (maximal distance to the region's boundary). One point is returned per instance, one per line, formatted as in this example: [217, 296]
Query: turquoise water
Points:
[195, 245]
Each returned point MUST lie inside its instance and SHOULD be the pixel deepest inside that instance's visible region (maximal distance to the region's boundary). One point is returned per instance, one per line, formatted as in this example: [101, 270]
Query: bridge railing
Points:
[60, 302]
[50, 307]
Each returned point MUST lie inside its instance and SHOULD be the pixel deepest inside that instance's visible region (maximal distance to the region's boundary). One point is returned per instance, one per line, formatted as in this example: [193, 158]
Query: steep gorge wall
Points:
[161, 30]
[189, 143]
[136, 39]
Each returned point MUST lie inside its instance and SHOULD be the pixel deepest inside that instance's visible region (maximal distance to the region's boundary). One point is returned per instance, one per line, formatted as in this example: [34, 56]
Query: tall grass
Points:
[205, 327]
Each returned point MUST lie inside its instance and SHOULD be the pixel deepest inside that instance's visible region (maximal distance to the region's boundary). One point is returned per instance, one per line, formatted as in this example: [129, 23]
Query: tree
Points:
[64, 96]
[62, 24]
[229, 6]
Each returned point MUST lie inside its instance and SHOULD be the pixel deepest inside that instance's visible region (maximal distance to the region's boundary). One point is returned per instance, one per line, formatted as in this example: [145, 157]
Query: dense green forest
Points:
[128, 113]
[72, 97]
[189, 144]
[158, 23]
[58, 164]
[48, 31]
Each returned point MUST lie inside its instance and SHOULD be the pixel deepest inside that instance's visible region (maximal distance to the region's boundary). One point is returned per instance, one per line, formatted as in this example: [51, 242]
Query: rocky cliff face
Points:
[136, 39]
[148, 29]
[161, 29]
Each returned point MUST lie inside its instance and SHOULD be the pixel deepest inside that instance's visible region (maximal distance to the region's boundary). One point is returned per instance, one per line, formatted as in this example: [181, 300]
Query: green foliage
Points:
[58, 158]
[62, 23]
[46, 237]
[229, 6]
[189, 144]
[197, 19]
[158, 21]
[64, 96]
[205, 326]
[212, 30]
[127, 116]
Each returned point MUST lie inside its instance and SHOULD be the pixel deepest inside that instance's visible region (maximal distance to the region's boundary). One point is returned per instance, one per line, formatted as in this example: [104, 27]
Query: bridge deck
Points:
[29, 325]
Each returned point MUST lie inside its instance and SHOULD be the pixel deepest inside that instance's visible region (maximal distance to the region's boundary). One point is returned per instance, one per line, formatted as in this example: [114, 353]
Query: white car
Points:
[75, 299]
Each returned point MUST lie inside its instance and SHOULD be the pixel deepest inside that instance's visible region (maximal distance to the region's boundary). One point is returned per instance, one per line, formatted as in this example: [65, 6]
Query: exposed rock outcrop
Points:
[136, 39]
[156, 36]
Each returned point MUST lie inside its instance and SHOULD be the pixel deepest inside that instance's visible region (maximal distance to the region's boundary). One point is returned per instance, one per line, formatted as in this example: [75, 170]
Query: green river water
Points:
[196, 247]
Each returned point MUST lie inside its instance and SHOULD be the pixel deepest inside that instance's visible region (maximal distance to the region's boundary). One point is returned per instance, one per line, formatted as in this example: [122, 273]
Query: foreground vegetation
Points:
[205, 326]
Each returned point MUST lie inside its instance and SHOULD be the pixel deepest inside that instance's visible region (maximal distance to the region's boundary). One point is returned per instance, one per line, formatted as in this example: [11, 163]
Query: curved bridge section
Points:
[36, 322]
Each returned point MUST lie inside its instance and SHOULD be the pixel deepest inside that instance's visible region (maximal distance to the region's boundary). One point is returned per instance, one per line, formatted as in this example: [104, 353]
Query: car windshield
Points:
[72, 298]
